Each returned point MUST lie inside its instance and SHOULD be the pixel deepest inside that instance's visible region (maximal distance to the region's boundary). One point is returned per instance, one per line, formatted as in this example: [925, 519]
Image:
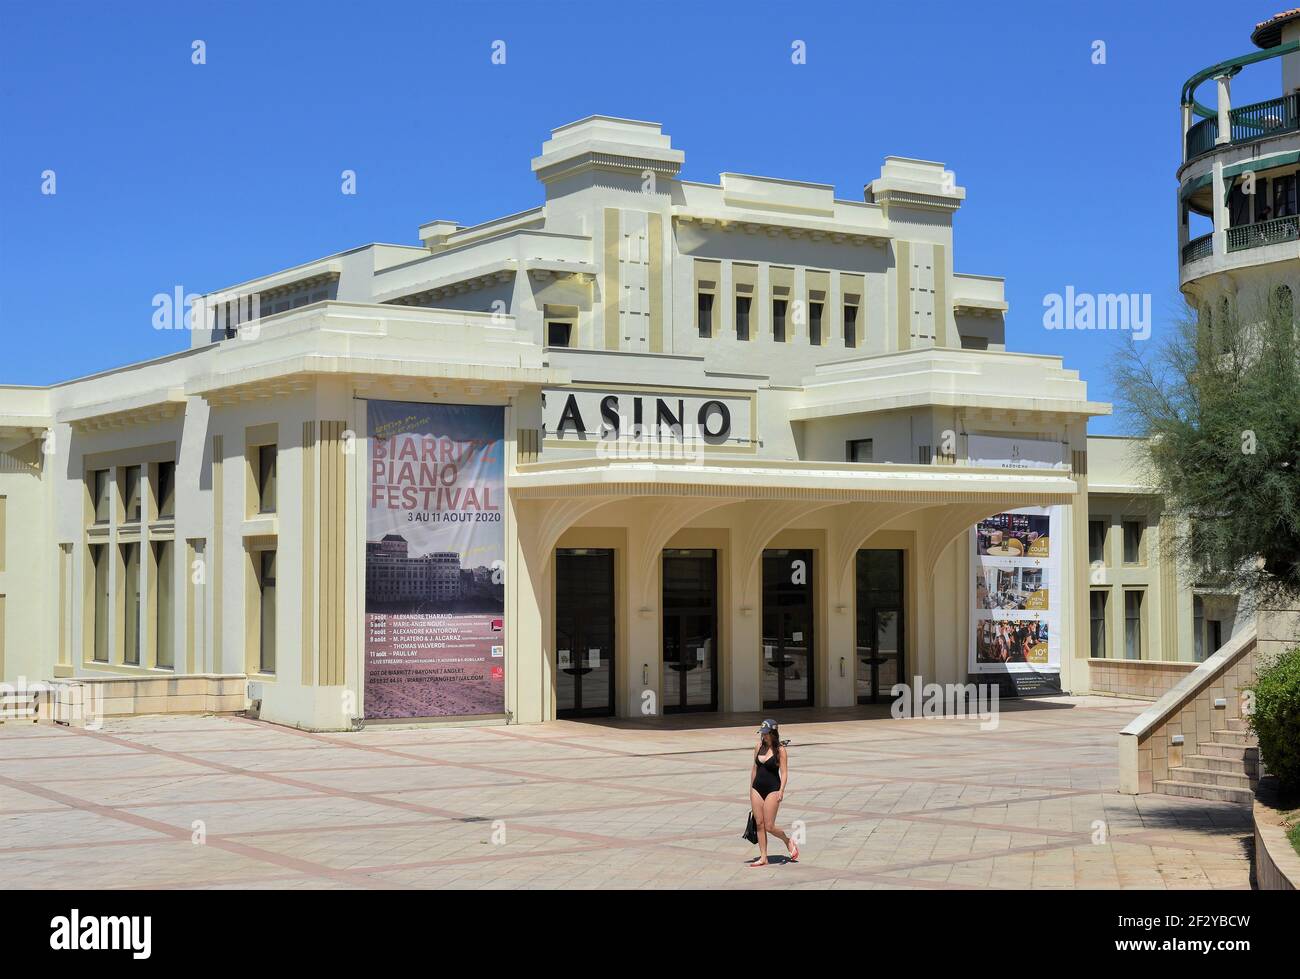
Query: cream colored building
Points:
[1238, 179]
[203, 514]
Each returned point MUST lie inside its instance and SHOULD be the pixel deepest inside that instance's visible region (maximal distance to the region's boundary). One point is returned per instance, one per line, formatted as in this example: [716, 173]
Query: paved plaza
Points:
[922, 803]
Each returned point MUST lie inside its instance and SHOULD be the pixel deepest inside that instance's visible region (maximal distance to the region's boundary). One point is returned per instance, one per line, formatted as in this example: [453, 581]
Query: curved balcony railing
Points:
[1264, 233]
[1201, 247]
[1247, 123]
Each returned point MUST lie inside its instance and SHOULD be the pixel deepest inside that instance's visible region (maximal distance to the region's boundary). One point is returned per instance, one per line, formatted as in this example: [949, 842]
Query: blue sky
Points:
[171, 174]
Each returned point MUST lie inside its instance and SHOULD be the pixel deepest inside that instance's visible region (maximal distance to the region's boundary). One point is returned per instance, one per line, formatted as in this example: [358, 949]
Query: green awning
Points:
[1192, 186]
[1270, 162]
[1263, 163]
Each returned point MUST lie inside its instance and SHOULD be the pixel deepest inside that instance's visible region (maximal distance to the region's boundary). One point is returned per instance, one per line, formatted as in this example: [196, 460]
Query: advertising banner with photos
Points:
[435, 557]
[1016, 593]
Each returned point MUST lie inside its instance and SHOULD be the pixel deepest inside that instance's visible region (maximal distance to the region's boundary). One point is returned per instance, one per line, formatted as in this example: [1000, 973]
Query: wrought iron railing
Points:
[1201, 137]
[1264, 233]
[1198, 248]
[1247, 123]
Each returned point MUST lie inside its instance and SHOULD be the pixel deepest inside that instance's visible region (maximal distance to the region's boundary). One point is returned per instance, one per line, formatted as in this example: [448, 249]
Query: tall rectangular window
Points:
[266, 587]
[1097, 624]
[858, 450]
[704, 317]
[165, 617]
[778, 319]
[131, 494]
[1284, 196]
[166, 490]
[850, 325]
[101, 598]
[99, 488]
[1132, 541]
[815, 324]
[131, 593]
[742, 317]
[266, 478]
[1097, 541]
[1133, 624]
[1198, 628]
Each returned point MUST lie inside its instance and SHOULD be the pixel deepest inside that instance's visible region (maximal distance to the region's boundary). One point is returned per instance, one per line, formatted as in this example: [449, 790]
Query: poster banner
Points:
[1016, 600]
[435, 558]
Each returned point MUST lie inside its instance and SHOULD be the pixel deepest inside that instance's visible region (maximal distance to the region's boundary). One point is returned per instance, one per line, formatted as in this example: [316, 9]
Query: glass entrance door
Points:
[880, 624]
[690, 595]
[788, 616]
[584, 633]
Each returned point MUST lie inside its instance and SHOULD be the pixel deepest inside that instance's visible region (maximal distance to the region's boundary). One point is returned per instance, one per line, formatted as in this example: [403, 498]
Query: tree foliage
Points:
[1218, 397]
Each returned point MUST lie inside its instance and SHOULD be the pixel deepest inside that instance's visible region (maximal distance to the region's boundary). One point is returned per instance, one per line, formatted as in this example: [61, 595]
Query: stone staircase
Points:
[1224, 769]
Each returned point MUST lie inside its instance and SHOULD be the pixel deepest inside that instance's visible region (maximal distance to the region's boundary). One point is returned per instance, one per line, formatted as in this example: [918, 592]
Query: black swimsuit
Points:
[768, 777]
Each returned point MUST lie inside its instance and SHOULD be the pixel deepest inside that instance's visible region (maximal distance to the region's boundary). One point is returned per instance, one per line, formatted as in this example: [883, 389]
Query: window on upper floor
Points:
[1097, 541]
[131, 494]
[815, 323]
[704, 314]
[850, 325]
[559, 333]
[266, 461]
[1132, 541]
[1284, 196]
[166, 489]
[742, 317]
[1239, 206]
[779, 307]
[858, 450]
[100, 485]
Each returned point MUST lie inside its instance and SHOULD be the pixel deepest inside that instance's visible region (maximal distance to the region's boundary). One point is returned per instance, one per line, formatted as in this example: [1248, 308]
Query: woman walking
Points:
[767, 781]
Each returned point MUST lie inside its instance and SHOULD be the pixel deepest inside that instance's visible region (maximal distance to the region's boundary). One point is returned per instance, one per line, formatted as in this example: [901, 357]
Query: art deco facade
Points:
[814, 370]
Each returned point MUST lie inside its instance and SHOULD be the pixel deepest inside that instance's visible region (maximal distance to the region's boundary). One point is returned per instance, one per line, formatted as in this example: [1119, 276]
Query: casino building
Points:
[748, 429]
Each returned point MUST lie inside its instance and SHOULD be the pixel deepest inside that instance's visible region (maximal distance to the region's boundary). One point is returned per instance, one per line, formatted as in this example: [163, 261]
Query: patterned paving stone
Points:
[880, 804]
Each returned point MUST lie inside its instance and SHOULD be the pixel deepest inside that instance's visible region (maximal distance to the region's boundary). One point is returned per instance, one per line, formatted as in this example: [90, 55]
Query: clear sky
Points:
[171, 174]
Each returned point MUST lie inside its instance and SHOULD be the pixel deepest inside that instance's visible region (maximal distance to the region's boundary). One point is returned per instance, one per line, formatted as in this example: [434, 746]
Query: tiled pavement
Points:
[884, 803]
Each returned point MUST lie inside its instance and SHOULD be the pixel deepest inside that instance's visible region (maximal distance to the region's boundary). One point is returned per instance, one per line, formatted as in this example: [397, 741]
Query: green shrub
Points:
[1276, 718]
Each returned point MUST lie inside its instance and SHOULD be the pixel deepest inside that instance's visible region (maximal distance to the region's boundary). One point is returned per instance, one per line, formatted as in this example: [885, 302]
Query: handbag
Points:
[751, 830]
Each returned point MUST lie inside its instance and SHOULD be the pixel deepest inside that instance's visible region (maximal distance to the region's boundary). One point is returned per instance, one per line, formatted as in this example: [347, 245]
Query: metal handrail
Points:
[1198, 248]
[1264, 233]
[1246, 123]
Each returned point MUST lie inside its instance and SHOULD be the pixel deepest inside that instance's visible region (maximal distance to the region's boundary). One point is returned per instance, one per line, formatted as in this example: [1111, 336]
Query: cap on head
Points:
[767, 725]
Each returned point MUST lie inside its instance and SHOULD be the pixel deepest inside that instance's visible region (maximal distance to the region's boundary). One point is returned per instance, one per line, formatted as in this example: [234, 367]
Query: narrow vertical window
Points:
[778, 320]
[815, 324]
[99, 483]
[101, 599]
[704, 314]
[131, 605]
[166, 492]
[1132, 541]
[1097, 624]
[1097, 541]
[165, 617]
[1133, 624]
[266, 586]
[266, 478]
[131, 494]
[850, 325]
[742, 317]
[1198, 628]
